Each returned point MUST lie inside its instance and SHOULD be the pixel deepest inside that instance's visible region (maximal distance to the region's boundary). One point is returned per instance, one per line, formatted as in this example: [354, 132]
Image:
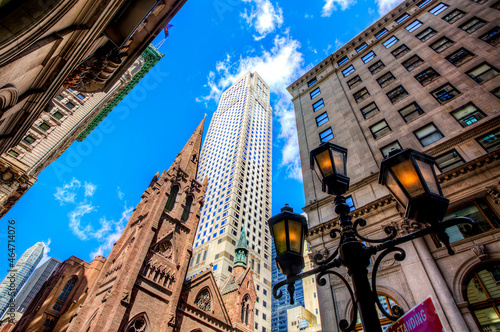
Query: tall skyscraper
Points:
[18, 275]
[236, 160]
[34, 284]
[424, 76]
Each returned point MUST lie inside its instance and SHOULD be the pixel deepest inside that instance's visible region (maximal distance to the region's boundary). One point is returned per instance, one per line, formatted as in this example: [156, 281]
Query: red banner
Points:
[422, 318]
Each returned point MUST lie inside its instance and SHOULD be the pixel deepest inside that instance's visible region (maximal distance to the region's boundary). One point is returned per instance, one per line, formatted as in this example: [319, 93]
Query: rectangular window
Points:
[29, 139]
[426, 34]
[376, 67]
[44, 126]
[369, 110]
[449, 160]
[492, 37]
[80, 96]
[381, 33]
[58, 115]
[496, 5]
[496, 92]
[59, 97]
[472, 25]
[361, 47]
[69, 105]
[402, 18]
[460, 57]
[322, 119]
[397, 94]
[438, 9]
[389, 147]
[454, 16]
[468, 114]
[412, 62]
[491, 141]
[326, 135]
[316, 92]
[380, 129]
[423, 3]
[427, 76]
[442, 44]
[391, 41]
[361, 95]
[318, 105]
[368, 57]
[411, 112]
[413, 26]
[13, 153]
[445, 93]
[482, 73]
[348, 71]
[428, 134]
[353, 82]
[400, 51]
[342, 61]
[385, 79]
[311, 82]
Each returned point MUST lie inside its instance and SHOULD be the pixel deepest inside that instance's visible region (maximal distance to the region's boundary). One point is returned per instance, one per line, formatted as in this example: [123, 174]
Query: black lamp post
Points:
[410, 177]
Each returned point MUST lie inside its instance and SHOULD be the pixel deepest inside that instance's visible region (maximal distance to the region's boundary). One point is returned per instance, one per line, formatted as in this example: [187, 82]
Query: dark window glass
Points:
[368, 57]
[491, 141]
[342, 61]
[454, 16]
[428, 134]
[171, 198]
[460, 57]
[316, 92]
[391, 41]
[380, 129]
[311, 82]
[496, 92]
[468, 114]
[449, 160]
[397, 94]
[69, 105]
[361, 47]
[369, 110]
[361, 95]
[58, 115]
[318, 105]
[29, 139]
[376, 67]
[354, 82]
[413, 62]
[426, 34]
[400, 51]
[402, 18]
[44, 126]
[323, 118]
[427, 76]
[445, 93]
[473, 24]
[326, 135]
[411, 112]
[13, 153]
[438, 9]
[482, 73]
[348, 71]
[492, 37]
[413, 26]
[441, 44]
[386, 79]
[381, 33]
[187, 209]
[59, 97]
[496, 5]
[389, 147]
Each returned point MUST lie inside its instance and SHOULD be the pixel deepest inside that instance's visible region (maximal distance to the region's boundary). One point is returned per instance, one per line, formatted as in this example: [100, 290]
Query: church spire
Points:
[188, 158]
[242, 250]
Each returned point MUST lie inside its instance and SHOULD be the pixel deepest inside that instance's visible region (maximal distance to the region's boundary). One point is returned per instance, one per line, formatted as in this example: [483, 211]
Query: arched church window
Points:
[187, 208]
[171, 198]
[203, 300]
[387, 303]
[139, 324]
[483, 296]
[64, 293]
[245, 304]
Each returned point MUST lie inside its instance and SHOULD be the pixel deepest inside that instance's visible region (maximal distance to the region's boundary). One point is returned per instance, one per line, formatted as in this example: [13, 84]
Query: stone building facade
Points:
[85, 45]
[70, 116]
[424, 76]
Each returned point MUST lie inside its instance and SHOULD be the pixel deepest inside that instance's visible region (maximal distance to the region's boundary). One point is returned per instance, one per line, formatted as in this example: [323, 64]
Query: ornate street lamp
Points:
[410, 177]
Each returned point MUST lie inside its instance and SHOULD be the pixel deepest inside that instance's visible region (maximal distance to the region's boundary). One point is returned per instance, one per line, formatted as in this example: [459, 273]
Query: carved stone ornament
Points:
[480, 251]
[494, 193]
[203, 300]
[126, 297]
[8, 96]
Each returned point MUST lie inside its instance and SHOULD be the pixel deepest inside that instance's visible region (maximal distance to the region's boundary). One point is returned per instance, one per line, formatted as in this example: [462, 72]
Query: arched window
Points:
[138, 324]
[245, 304]
[203, 300]
[387, 302]
[187, 208]
[64, 294]
[171, 198]
[483, 295]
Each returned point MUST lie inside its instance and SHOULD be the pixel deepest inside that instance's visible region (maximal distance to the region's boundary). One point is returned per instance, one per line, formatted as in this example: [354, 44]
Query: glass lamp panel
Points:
[396, 190]
[487, 276]
[429, 178]
[407, 175]
[280, 237]
[324, 163]
[295, 235]
[339, 160]
[488, 319]
[475, 292]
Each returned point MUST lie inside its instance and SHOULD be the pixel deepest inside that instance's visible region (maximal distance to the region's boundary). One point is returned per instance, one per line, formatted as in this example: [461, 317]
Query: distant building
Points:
[17, 277]
[69, 115]
[34, 284]
[424, 76]
[301, 319]
[310, 287]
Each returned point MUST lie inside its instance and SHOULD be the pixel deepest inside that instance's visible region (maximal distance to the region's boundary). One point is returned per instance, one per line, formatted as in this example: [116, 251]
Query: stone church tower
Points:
[140, 285]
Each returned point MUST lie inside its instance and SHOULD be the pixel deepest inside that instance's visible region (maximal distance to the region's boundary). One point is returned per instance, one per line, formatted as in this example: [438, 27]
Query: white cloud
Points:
[90, 189]
[120, 193]
[331, 6]
[67, 193]
[264, 17]
[75, 216]
[279, 67]
[385, 6]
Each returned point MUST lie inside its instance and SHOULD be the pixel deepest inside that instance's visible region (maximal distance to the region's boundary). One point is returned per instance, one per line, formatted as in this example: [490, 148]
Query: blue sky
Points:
[81, 202]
